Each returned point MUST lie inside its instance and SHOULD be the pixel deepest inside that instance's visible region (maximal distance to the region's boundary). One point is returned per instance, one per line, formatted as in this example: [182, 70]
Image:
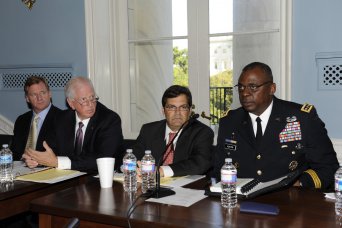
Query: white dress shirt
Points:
[64, 162]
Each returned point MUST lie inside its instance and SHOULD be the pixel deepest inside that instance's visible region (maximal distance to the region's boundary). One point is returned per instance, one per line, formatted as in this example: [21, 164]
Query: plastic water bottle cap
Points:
[228, 160]
[129, 150]
[147, 152]
[4, 145]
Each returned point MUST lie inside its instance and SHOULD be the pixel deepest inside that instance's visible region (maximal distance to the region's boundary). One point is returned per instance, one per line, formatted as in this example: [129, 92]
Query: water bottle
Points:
[6, 164]
[338, 191]
[147, 172]
[130, 171]
[228, 184]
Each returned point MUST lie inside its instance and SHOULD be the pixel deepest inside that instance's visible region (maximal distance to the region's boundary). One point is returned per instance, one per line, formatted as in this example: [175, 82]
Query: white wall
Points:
[316, 29]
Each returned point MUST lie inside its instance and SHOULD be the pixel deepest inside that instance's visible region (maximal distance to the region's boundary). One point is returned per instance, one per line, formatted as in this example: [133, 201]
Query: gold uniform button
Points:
[259, 172]
[293, 152]
[259, 156]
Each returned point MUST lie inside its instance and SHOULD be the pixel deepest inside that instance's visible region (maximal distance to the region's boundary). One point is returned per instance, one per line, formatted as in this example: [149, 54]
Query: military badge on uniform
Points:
[299, 146]
[291, 119]
[306, 108]
[291, 132]
[293, 165]
[230, 144]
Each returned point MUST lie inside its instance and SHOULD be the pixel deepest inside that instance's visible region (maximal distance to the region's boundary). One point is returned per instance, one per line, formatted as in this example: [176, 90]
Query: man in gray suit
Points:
[192, 148]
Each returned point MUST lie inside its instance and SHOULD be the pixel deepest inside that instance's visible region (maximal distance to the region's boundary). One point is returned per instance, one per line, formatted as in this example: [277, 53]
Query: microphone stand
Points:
[160, 192]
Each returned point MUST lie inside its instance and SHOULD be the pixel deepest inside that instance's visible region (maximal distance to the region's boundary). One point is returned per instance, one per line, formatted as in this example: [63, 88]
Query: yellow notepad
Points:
[50, 176]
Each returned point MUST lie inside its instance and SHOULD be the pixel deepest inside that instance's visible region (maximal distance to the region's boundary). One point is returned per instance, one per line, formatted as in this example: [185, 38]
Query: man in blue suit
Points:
[38, 98]
[82, 134]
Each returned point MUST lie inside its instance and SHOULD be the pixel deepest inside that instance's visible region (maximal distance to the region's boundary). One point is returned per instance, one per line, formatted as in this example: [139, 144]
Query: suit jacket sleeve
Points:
[320, 155]
[140, 145]
[20, 134]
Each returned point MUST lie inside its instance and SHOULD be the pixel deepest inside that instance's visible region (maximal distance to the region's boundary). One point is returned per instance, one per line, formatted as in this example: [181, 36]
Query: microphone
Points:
[159, 192]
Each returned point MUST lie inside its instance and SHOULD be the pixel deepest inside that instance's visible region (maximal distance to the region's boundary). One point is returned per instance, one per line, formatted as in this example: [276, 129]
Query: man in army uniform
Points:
[289, 137]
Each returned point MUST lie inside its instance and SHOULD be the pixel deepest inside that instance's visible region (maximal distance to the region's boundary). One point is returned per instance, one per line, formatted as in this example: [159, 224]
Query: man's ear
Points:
[71, 104]
[273, 89]
[163, 111]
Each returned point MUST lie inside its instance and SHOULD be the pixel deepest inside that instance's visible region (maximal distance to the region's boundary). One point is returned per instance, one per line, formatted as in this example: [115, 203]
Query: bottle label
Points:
[147, 167]
[228, 176]
[338, 184]
[5, 159]
[130, 165]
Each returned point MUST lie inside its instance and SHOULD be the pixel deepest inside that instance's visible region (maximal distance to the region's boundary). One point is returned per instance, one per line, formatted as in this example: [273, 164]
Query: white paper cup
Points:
[105, 167]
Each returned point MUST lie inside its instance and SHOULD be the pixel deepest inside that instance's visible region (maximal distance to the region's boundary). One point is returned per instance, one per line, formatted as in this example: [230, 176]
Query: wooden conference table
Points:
[15, 198]
[96, 207]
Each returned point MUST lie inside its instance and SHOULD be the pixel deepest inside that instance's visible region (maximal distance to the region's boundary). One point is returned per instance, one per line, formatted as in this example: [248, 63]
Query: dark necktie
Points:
[259, 131]
[79, 138]
[168, 156]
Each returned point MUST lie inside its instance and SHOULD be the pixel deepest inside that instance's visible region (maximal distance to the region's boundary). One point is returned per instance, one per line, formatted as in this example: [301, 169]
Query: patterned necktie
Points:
[32, 138]
[79, 138]
[168, 156]
[259, 131]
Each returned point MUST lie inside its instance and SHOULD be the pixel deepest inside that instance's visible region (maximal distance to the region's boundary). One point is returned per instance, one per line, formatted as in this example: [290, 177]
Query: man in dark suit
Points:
[38, 97]
[82, 134]
[289, 137]
[192, 152]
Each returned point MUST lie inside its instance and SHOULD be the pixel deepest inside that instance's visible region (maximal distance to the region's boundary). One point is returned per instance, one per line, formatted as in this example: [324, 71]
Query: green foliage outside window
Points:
[221, 84]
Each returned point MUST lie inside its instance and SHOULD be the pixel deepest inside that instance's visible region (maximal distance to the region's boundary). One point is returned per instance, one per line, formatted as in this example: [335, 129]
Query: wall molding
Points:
[6, 126]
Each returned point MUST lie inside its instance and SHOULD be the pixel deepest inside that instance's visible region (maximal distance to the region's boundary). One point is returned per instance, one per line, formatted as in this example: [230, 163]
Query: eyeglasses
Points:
[172, 108]
[36, 95]
[86, 101]
[251, 87]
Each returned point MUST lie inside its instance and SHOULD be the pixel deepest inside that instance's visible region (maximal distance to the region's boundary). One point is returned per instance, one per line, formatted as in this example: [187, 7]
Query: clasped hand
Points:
[33, 158]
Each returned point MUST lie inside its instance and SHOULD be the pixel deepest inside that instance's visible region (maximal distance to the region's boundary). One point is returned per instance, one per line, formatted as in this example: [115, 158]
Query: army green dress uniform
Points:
[295, 138]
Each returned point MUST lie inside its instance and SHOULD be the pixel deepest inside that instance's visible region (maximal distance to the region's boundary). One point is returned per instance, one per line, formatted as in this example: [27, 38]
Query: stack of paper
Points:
[50, 176]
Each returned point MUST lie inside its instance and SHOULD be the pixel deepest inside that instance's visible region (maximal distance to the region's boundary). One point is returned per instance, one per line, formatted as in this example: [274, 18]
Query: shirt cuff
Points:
[168, 172]
[63, 163]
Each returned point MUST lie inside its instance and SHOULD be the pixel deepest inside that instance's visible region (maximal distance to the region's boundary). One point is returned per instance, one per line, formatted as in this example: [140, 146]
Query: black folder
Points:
[254, 187]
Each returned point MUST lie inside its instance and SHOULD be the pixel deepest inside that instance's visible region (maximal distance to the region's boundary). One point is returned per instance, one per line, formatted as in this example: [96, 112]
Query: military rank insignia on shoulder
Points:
[306, 108]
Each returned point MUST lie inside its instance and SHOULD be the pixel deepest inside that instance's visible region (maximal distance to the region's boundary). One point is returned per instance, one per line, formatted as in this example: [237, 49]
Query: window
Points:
[145, 37]
[238, 32]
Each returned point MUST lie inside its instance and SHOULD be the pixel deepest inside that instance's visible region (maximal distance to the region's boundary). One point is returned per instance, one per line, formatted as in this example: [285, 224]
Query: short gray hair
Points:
[74, 83]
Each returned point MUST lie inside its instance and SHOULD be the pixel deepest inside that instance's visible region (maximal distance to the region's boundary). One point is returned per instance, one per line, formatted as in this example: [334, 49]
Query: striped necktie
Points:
[169, 154]
[79, 138]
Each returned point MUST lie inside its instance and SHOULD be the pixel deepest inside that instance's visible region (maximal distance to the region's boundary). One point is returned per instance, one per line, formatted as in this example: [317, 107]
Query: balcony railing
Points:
[220, 101]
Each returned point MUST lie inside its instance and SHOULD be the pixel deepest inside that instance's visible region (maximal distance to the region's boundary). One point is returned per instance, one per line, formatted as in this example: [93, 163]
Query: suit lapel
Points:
[26, 130]
[89, 132]
[159, 143]
[44, 130]
[245, 129]
[276, 122]
[181, 144]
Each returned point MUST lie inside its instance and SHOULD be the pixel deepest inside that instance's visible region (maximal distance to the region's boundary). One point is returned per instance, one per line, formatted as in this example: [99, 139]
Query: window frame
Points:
[106, 24]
